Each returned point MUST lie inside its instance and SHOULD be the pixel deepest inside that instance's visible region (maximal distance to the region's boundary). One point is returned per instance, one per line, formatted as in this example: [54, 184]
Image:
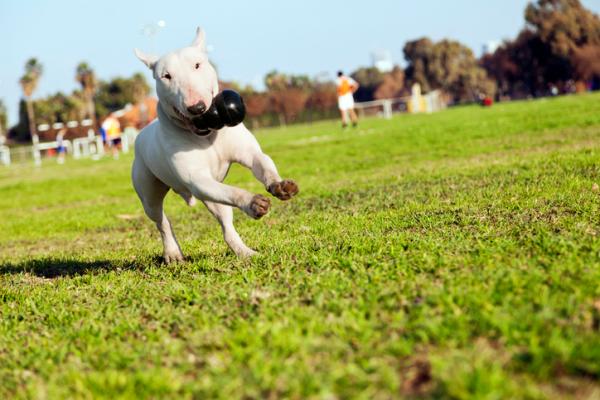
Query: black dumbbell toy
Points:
[227, 109]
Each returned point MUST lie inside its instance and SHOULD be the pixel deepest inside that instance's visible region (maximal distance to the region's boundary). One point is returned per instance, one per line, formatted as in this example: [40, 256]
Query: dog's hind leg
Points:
[224, 214]
[152, 192]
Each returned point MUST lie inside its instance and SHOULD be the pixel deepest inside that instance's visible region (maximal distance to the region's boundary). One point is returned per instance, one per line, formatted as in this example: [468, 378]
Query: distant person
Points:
[112, 134]
[60, 146]
[485, 100]
[346, 86]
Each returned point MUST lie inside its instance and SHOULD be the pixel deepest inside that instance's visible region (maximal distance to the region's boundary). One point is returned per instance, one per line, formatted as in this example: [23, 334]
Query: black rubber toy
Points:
[227, 109]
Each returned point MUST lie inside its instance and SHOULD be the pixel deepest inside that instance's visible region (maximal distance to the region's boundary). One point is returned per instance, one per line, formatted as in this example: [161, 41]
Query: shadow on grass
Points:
[48, 267]
[56, 267]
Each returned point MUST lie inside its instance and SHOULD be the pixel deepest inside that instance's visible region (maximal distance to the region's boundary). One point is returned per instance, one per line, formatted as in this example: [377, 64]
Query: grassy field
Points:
[453, 255]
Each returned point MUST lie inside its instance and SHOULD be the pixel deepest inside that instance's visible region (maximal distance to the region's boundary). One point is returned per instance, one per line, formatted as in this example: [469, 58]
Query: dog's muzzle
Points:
[227, 109]
[197, 109]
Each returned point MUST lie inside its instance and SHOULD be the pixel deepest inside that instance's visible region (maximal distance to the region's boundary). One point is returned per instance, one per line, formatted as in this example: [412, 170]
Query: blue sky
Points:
[248, 38]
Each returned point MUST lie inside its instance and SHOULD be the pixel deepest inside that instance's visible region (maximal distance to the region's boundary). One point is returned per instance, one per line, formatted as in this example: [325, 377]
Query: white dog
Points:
[170, 153]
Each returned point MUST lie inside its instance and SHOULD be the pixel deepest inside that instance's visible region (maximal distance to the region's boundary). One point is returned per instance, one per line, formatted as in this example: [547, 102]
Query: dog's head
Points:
[186, 82]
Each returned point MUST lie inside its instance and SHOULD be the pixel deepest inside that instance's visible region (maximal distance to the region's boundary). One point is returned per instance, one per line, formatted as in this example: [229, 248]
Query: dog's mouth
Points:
[181, 115]
[189, 124]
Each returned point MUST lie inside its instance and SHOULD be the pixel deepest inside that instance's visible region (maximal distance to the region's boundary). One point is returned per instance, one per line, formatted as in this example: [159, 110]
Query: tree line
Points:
[94, 100]
[558, 51]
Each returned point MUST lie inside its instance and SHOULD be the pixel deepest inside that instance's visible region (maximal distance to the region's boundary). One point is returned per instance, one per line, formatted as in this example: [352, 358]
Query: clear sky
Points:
[248, 37]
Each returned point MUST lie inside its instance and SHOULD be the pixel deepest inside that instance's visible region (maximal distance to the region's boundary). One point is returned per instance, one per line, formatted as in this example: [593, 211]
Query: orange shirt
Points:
[112, 127]
[345, 85]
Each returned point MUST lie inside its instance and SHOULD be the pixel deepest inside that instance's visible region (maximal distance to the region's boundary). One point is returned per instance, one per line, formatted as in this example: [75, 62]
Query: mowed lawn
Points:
[453, 255]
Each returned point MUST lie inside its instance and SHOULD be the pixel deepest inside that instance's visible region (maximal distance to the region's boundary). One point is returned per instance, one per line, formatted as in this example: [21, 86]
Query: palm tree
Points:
[29, 82]
[3, 120]
[87, 79]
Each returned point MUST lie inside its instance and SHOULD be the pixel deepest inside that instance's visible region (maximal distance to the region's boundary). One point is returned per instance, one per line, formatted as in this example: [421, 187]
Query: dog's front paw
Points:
[259, 206]
[283, 190]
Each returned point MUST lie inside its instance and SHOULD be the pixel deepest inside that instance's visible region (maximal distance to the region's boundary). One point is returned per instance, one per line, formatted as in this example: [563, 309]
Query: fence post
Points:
[387, 109]
[37, 155]
[5, 155]
[99, 146]
[125, 143]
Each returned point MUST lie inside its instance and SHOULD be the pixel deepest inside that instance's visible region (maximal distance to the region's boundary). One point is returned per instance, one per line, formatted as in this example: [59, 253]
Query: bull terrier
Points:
[171, 153]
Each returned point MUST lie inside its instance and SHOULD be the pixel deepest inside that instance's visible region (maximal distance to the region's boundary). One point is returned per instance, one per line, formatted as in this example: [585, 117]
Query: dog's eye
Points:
[197, 65]
[167, 76]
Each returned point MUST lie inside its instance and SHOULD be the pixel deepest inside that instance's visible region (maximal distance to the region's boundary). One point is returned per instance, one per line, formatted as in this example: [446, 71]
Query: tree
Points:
[87, 79]
[502, 67]
[20, 131]
[565, 25]
[322, 100]
[232, 85]
[257, 103]
[288, 94]
[526, 66]
[586, 60]
[571, 32]
[29, 82]
[323, 97]
[3, 121]
[369, 79]
[447, 65]
[560, 43]
[392, 85]
[118, 92]
[139, 87]
[59, 107]
[419, 53]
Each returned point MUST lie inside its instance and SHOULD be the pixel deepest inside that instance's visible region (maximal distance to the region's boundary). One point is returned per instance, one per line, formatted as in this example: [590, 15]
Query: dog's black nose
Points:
[197, 108]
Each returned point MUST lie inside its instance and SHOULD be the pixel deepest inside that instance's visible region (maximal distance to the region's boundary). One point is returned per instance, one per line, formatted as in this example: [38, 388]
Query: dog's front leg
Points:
[264, 170]
[207, 189]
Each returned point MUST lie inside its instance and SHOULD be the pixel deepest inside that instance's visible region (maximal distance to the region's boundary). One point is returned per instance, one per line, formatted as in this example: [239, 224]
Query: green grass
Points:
[453, 255]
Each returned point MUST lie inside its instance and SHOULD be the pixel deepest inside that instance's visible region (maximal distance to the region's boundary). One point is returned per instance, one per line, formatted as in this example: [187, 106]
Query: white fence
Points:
[4, 155]
[417, 103]
[91, 146]
[383, 108]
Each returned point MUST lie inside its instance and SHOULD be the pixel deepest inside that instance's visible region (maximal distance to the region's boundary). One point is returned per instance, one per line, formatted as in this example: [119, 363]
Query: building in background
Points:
[490, 47]
[382, 60]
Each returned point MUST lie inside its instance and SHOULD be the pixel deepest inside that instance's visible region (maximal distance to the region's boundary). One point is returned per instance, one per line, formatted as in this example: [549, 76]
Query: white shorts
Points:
[346, 102]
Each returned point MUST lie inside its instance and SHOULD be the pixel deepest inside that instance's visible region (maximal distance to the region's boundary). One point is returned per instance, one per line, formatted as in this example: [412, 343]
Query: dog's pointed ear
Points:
[200, 39]
[148, 59]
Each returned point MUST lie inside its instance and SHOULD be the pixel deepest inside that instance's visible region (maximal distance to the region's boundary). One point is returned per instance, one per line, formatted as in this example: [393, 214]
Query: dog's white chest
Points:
[212, 161]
